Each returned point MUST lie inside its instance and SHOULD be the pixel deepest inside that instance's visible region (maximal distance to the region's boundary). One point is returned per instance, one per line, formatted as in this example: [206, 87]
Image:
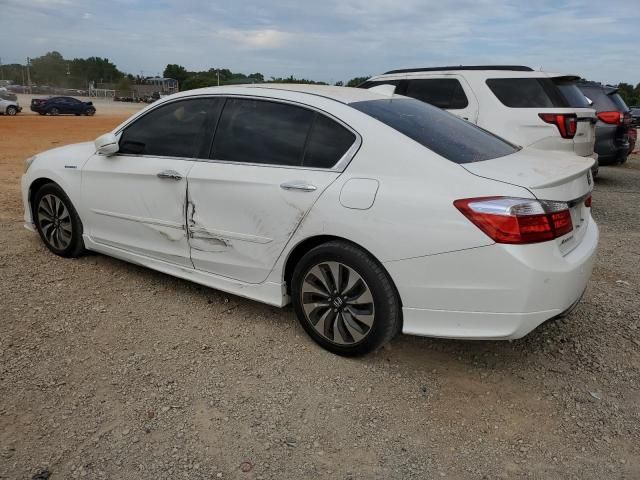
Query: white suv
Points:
[529, 108]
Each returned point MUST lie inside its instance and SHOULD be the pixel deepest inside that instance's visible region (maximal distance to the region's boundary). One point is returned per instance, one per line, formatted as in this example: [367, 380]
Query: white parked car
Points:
[371, 214]
[530, 108]
[9, 107]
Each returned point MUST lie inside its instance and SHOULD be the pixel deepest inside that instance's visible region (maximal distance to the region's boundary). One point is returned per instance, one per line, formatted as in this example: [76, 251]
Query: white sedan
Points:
[373, 214]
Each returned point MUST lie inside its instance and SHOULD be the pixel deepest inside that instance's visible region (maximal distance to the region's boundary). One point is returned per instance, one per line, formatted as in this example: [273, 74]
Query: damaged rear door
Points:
[269, 163]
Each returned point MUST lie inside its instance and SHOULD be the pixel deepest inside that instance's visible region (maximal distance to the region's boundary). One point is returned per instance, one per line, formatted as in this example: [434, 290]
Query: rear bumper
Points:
[611, 145]
[493, 292]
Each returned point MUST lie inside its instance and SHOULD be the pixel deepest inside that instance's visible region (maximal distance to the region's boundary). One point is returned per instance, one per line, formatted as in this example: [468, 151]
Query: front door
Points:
[270, 163]
[135, 200]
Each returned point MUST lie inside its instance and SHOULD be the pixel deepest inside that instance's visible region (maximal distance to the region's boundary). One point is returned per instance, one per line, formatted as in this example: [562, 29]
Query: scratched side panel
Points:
[127, 206]
[240, 218]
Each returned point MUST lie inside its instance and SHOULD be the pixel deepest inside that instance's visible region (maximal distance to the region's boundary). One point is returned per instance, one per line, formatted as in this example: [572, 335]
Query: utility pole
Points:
[218, 74]
[29, 74]
[1, 70]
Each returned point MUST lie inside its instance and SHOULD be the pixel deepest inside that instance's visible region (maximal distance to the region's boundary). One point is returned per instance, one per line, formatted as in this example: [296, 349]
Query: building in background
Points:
[151, 85]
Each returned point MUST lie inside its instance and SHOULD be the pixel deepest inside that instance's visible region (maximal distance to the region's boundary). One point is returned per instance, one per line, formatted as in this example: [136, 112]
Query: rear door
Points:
[449, 92]
[269, 163]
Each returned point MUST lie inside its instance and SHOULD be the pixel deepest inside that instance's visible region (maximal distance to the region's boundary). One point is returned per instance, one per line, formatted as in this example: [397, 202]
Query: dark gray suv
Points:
[614, 122]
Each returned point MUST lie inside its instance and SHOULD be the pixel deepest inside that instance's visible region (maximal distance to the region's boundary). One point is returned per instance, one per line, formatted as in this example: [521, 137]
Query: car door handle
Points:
[170, 175]
[303, 187]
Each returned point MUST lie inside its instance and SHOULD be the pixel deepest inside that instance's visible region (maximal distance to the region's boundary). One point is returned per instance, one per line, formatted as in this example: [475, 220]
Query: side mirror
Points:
[107, 144]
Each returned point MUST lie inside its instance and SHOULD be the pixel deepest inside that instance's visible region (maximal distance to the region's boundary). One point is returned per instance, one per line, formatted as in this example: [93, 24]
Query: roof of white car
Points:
[339, 94]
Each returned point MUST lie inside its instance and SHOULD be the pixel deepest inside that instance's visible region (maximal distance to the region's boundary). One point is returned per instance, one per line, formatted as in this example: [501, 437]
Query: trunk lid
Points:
[553, 176]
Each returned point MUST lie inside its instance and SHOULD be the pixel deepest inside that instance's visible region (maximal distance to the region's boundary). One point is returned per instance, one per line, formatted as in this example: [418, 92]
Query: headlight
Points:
[28, 162]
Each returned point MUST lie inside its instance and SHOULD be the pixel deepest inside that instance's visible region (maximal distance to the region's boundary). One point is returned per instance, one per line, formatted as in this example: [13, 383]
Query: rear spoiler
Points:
[564, 78]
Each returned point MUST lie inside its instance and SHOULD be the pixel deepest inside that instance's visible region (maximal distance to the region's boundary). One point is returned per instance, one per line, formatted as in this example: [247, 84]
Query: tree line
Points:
[53, 69]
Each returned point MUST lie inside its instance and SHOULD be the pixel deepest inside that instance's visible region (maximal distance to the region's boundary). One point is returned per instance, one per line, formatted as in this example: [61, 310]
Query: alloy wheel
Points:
[338, 303]
[54, 221]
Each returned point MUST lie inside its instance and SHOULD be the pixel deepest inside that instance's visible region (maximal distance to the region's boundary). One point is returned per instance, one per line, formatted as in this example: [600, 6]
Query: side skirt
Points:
[266, 292]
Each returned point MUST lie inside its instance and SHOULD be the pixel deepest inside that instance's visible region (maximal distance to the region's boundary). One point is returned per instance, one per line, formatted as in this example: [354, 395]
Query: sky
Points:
[330, 40]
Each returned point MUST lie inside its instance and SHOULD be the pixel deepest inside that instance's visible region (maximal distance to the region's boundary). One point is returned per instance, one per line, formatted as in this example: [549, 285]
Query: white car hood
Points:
[69, 156]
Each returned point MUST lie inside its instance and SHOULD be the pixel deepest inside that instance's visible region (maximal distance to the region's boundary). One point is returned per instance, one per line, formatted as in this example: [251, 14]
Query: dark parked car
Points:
[635, 115]
[614, 122]
[62, 105]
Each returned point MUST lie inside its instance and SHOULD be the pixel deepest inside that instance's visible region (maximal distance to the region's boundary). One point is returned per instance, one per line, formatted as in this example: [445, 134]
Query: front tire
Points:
[57, 221]
[344, 299]
[54, 111]
[12, 111]
[91, 112]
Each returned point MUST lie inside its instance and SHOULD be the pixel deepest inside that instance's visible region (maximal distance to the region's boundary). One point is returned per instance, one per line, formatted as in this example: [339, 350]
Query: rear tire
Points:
[12, 111]
[344, 299]
[57, 221]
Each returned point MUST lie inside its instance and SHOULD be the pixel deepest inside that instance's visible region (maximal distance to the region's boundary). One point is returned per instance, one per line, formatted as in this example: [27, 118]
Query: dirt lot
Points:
[108, 370]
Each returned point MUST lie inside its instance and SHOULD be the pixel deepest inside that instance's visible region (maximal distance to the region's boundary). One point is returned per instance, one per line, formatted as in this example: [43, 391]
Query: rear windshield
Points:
[441, 132]
[527, 92]
[572, 94]
[601, 101]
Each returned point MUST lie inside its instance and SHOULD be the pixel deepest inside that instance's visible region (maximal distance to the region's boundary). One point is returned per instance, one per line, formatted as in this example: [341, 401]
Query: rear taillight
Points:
[587, 201]
[567, 123]
[613, 118]
[517, 220]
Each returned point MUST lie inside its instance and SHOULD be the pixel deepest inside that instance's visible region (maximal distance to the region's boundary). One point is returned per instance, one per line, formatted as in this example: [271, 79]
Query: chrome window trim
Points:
[340, 165]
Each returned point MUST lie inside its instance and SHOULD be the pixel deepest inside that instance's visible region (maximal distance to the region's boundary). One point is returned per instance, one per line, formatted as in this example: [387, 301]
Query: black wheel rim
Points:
[338, 303]
[54, 221]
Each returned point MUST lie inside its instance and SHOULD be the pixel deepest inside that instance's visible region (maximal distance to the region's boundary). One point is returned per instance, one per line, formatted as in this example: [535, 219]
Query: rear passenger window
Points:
[258, 131]
[328, 142]
[527, 92]
[446, 93]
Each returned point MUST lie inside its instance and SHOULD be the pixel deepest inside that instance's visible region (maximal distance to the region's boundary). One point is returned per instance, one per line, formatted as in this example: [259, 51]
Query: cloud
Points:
[333, 39]
[255, 39]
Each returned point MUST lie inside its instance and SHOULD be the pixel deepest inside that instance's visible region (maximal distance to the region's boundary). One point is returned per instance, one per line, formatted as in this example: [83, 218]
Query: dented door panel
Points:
[240, 217]
[128, 206]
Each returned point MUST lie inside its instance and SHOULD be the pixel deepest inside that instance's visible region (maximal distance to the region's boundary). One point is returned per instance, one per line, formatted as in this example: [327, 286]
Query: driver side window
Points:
[178, 129]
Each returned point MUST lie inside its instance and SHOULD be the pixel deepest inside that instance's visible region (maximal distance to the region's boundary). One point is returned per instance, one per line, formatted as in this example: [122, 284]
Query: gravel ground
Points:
[109, 370]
